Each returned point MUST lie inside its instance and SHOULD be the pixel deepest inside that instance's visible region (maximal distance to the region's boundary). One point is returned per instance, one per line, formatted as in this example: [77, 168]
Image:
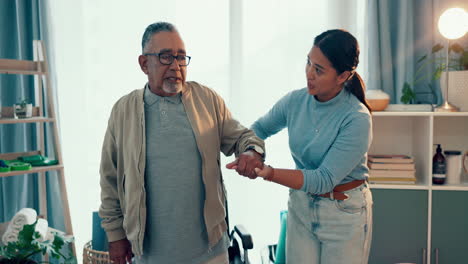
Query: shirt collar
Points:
[150, 98]
[335, 100]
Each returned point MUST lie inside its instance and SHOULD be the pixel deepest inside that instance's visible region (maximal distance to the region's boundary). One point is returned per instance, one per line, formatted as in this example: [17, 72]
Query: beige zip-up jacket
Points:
[123, 197]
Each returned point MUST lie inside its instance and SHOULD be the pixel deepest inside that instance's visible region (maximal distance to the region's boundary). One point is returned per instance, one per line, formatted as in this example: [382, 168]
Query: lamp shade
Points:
[453, 23]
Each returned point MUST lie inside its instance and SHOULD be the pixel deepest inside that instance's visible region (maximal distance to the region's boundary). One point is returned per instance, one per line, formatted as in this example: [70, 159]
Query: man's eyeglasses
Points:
[167, 59]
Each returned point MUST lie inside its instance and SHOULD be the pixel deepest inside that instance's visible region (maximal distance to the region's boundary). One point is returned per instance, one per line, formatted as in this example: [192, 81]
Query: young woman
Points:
[329, 126]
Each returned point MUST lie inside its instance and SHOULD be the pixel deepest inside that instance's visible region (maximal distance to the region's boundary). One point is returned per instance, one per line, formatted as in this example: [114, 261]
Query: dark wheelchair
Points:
[238, 256]
[274, 253]
[239, 237]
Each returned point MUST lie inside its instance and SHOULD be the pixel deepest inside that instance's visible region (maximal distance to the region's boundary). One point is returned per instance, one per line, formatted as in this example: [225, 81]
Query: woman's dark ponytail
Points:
[357, 87]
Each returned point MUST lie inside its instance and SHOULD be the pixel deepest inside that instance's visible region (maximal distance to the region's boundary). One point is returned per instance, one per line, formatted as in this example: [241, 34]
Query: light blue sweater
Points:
[328, 140]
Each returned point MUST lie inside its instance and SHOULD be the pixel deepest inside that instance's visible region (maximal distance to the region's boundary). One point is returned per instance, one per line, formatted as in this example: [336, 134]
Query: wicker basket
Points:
[91, 256]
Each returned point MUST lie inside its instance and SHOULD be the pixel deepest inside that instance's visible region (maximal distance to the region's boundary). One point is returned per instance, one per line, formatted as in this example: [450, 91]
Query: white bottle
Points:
[454, 165]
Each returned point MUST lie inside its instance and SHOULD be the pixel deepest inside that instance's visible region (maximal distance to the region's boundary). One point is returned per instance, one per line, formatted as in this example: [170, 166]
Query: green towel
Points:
[4, 167]
[31, 159]
[38, 160]
[19, 166]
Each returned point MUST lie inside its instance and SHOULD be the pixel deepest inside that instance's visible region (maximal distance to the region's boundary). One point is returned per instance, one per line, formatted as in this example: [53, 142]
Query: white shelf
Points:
[388, 113]
[462, 187]
[414, 134]
[450, 114]
[384, 113]
[400, 186]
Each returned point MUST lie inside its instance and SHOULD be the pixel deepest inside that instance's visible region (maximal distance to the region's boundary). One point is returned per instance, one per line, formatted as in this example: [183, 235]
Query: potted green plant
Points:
[462, 63]
[30, 245]
[458, 62]
[455, 84]
[23, 109]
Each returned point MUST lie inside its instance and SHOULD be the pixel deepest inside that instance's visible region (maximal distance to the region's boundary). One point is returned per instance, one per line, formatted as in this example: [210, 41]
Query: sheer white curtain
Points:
[97, 47]
[251, 52]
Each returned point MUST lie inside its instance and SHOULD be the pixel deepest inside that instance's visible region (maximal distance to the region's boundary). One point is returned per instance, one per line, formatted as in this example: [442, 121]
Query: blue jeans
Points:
[325, 231]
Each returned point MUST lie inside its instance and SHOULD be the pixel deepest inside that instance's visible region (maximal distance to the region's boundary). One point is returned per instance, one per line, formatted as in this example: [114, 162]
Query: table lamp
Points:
[452, 25]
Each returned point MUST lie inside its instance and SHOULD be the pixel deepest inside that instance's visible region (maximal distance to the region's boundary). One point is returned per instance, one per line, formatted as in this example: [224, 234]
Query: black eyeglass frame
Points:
[173, 57]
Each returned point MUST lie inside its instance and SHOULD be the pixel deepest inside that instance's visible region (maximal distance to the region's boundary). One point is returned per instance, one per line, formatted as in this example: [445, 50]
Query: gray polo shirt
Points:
[175, 227]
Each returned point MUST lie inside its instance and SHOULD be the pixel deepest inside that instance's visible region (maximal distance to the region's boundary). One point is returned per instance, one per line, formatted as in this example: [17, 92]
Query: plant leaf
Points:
[58, 242]
[422, 58]
[464, 60]
[455, 47]
[437, 47]
[28, 245]
[407, 94]
[25, 236]
[437, 73]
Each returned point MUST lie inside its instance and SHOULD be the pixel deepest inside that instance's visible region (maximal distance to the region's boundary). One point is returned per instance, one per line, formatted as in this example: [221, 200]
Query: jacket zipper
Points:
[142, 177]
[202, 155]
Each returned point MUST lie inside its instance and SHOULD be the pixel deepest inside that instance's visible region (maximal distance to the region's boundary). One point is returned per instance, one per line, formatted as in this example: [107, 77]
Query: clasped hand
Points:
[246, 163]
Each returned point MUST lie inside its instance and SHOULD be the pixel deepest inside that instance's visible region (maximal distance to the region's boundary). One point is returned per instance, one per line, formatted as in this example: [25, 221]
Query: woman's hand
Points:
[267, 172]
[246, 163]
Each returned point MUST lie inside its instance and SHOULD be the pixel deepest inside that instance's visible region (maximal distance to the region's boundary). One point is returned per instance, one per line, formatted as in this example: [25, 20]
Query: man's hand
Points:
[120, 251]
[246, 163]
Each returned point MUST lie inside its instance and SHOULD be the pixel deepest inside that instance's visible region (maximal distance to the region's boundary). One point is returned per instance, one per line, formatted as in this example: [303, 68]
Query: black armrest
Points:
[244, 236]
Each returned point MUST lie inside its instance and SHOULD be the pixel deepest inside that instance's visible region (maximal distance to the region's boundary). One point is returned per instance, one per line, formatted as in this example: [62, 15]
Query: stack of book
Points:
[391, 169]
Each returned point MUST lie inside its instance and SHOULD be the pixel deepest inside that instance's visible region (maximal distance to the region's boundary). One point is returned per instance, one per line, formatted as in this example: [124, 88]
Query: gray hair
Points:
[156, 28]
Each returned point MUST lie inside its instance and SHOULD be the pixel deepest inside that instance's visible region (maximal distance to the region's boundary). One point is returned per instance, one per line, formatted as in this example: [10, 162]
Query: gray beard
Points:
[172, 88]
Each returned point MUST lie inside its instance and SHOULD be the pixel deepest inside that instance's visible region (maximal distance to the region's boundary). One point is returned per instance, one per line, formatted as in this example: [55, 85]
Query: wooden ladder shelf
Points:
[39, 68]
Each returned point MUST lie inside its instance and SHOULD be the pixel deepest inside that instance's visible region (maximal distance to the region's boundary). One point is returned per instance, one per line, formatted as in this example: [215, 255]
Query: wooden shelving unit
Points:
[39, 68]
[414, 134]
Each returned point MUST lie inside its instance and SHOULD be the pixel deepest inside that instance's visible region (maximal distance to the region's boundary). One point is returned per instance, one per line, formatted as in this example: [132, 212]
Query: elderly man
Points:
[162, 193]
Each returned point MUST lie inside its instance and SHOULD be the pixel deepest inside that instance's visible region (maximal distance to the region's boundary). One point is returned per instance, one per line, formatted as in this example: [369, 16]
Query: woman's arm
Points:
[290, 178]
[343, 156]
[273, 121]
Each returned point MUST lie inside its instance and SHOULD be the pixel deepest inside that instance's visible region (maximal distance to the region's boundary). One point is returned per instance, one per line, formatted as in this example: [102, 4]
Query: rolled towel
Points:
[10, 235]
[25, 216]
[50, 235]
[42, 226]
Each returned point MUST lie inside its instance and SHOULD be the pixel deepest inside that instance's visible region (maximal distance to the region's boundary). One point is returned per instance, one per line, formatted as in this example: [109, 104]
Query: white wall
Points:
[97, 45]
